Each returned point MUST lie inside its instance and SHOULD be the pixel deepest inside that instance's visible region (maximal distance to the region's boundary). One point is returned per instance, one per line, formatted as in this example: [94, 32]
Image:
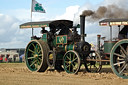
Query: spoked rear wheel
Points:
[35, 55]
[93, 62]
[119, 59]
[71, 62]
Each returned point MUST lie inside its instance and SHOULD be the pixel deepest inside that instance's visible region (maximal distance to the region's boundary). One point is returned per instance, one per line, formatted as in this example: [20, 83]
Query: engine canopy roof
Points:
[112, 22]
[53, 24]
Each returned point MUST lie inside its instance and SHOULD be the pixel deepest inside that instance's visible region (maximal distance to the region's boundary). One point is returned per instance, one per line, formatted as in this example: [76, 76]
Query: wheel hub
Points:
[35, 55]
[51, 57]
[70, 62]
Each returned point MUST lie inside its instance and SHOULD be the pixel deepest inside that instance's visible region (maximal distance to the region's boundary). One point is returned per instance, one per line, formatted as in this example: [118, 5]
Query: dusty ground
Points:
[18, 74]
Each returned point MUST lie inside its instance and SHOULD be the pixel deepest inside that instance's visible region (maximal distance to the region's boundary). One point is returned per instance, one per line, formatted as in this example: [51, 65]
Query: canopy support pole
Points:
[110, 33]
[31, 16]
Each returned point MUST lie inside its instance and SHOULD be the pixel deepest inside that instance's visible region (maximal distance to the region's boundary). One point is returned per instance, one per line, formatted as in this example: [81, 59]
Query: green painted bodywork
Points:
[66, 48]
[44, 37]
[34, 26]
[69, 47]
[108, 46]
[60, 42]
[61, 39]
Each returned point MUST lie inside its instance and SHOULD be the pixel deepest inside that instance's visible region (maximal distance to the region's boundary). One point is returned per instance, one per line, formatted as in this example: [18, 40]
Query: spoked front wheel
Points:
[71, 62]
[119, 59]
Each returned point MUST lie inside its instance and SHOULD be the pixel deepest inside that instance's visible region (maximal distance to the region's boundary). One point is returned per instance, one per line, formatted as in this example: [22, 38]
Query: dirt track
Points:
[18, 74]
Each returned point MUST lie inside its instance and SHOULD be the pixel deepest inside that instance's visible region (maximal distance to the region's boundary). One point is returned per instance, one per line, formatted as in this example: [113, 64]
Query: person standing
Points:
[14, 57]
[7, 57]
[1, 58]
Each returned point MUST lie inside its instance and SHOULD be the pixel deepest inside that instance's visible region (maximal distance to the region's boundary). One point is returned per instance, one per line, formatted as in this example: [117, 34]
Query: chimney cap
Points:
[82, 15]
[98, 35]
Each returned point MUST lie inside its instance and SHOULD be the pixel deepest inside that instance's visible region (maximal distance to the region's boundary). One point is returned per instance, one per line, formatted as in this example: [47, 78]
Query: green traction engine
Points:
[60, 47]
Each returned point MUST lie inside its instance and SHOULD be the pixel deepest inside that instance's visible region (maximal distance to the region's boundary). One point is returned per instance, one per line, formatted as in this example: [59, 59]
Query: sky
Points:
[16, 12]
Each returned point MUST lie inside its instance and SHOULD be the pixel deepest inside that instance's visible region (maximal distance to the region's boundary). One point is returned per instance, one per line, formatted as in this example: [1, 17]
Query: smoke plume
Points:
[87, 12]
[110, 11]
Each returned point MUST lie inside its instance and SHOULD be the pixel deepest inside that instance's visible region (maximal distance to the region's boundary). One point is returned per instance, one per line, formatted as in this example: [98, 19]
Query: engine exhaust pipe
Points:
[83, 46]
[82, 27]
[98, 42]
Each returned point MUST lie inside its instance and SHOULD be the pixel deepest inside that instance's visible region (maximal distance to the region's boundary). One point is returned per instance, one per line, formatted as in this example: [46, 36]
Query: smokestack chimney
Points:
[82, 27]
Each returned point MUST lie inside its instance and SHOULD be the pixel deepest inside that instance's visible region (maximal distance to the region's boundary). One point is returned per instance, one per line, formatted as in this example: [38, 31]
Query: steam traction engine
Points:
[60, 48]
[115, 50]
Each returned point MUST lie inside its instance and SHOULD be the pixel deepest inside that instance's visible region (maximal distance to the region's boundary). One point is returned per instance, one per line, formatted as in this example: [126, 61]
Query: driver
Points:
[123, 34]
[43, 30]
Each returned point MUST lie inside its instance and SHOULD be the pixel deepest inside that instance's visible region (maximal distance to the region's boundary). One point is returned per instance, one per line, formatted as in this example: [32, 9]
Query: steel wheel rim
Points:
[33, 56]
[71, 62]
[118, 60]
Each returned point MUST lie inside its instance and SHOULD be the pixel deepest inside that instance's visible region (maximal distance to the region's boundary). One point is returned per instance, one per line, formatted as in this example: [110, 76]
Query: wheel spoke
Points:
[74, 66]
[123, 50]
[30, 57]
[120, 59]
[68, 58]
[66, 62]
[119, 55]
[73, 56]
[123, 69]
[40, 55]
[31, 51]
[119, 63]
[74, 59]
[38, 49]
[39, 62]
[39, 52]
[36, 46]
[67, 66]
[33, 46]
[39, 58]
[36, 65]
[33, 63]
